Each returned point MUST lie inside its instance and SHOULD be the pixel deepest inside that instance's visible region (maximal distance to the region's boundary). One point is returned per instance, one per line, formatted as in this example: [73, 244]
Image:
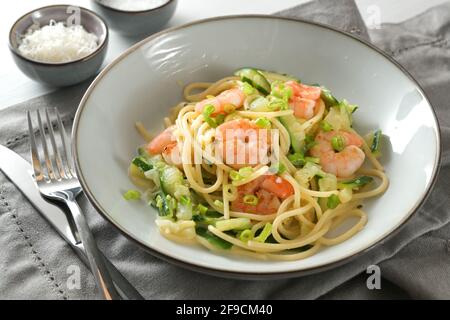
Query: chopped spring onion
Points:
[207, 111]
[243, 173]
[281, 168]
[218, 203]
[325, 126]
[235, 176]
[338, 143]
[234, 224]
[356, 183]
[185, 200]
[265, 233]
[280, 90]
[246, 171]
[297, 159]
[251, 199]
[212, 238]
[202, 209]
[245, 235]
[142, 163]
[276, 104]
[166, 205]
[263, 122]
[220, 118]
[333, 201]
[309, 143]
[132, 195]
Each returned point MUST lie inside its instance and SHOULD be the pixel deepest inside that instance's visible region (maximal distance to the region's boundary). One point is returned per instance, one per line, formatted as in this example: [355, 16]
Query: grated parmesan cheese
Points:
[57, 43]
[133, 5]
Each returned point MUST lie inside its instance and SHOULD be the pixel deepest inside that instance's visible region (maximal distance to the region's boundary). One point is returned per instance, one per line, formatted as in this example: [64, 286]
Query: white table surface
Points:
[15, 87]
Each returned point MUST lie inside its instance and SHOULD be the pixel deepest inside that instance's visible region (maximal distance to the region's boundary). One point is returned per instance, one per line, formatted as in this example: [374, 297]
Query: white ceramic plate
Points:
[144, 82]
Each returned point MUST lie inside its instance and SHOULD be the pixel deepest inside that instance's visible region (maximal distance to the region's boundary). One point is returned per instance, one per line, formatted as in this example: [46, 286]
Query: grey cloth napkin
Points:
[36, 264]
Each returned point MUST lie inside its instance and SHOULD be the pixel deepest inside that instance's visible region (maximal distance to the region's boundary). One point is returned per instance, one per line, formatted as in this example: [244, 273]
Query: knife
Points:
[20, 172]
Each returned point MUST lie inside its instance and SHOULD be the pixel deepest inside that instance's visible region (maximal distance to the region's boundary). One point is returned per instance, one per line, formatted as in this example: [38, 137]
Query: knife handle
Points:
[123, 286]
[126, 290]
[96, 261]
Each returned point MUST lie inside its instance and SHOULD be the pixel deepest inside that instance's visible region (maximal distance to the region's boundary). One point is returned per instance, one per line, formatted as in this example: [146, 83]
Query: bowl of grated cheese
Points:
[59, 45]
[136, 18]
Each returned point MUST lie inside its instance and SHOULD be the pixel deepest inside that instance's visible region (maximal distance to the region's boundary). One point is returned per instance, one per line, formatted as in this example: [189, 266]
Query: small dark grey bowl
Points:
[136, 23]
[65, 73]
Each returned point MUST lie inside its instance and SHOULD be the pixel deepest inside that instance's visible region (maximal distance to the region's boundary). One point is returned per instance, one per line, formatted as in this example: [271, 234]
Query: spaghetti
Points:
[259, 165]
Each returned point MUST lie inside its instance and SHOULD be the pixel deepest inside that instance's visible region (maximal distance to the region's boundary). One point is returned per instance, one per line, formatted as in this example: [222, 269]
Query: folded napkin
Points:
[35, 263]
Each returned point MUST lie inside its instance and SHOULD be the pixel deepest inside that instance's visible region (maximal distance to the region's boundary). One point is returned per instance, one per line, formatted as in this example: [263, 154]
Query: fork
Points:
[57, 181]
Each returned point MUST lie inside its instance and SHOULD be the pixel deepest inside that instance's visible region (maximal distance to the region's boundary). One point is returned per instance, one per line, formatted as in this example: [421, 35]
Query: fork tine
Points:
[56, 153]
[68, 156]
[36, 162]
[48, 163]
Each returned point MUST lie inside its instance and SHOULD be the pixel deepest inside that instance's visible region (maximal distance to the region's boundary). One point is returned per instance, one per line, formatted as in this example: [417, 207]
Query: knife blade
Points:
[20, 172]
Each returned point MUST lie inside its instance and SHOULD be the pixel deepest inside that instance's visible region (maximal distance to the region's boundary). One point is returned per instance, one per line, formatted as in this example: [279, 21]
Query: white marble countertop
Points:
[16, 87]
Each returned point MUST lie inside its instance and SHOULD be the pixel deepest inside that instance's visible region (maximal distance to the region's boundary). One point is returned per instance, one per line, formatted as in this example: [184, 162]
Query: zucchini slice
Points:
[274, 76]
[296, 134]
[255, 79]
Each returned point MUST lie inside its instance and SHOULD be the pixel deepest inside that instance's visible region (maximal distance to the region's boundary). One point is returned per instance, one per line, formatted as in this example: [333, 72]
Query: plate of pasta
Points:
[236, 163]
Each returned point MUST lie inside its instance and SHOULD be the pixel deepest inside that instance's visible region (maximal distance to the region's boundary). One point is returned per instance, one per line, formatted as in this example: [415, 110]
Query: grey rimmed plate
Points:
[145, 81]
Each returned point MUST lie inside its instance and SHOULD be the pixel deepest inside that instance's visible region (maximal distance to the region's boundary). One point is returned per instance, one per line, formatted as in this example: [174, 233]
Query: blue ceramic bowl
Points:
[136, 23]
[66, 73]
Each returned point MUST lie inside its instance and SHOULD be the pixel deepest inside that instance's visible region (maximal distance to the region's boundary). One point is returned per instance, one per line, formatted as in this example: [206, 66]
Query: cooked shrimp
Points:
[172, 155]
[242, 143]
[277, 185]
[166, 145]
[269, 190]
[304, 91]
[161, 141]
[303, 108]
[232, 96]
[344, 163]
[304, 99]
